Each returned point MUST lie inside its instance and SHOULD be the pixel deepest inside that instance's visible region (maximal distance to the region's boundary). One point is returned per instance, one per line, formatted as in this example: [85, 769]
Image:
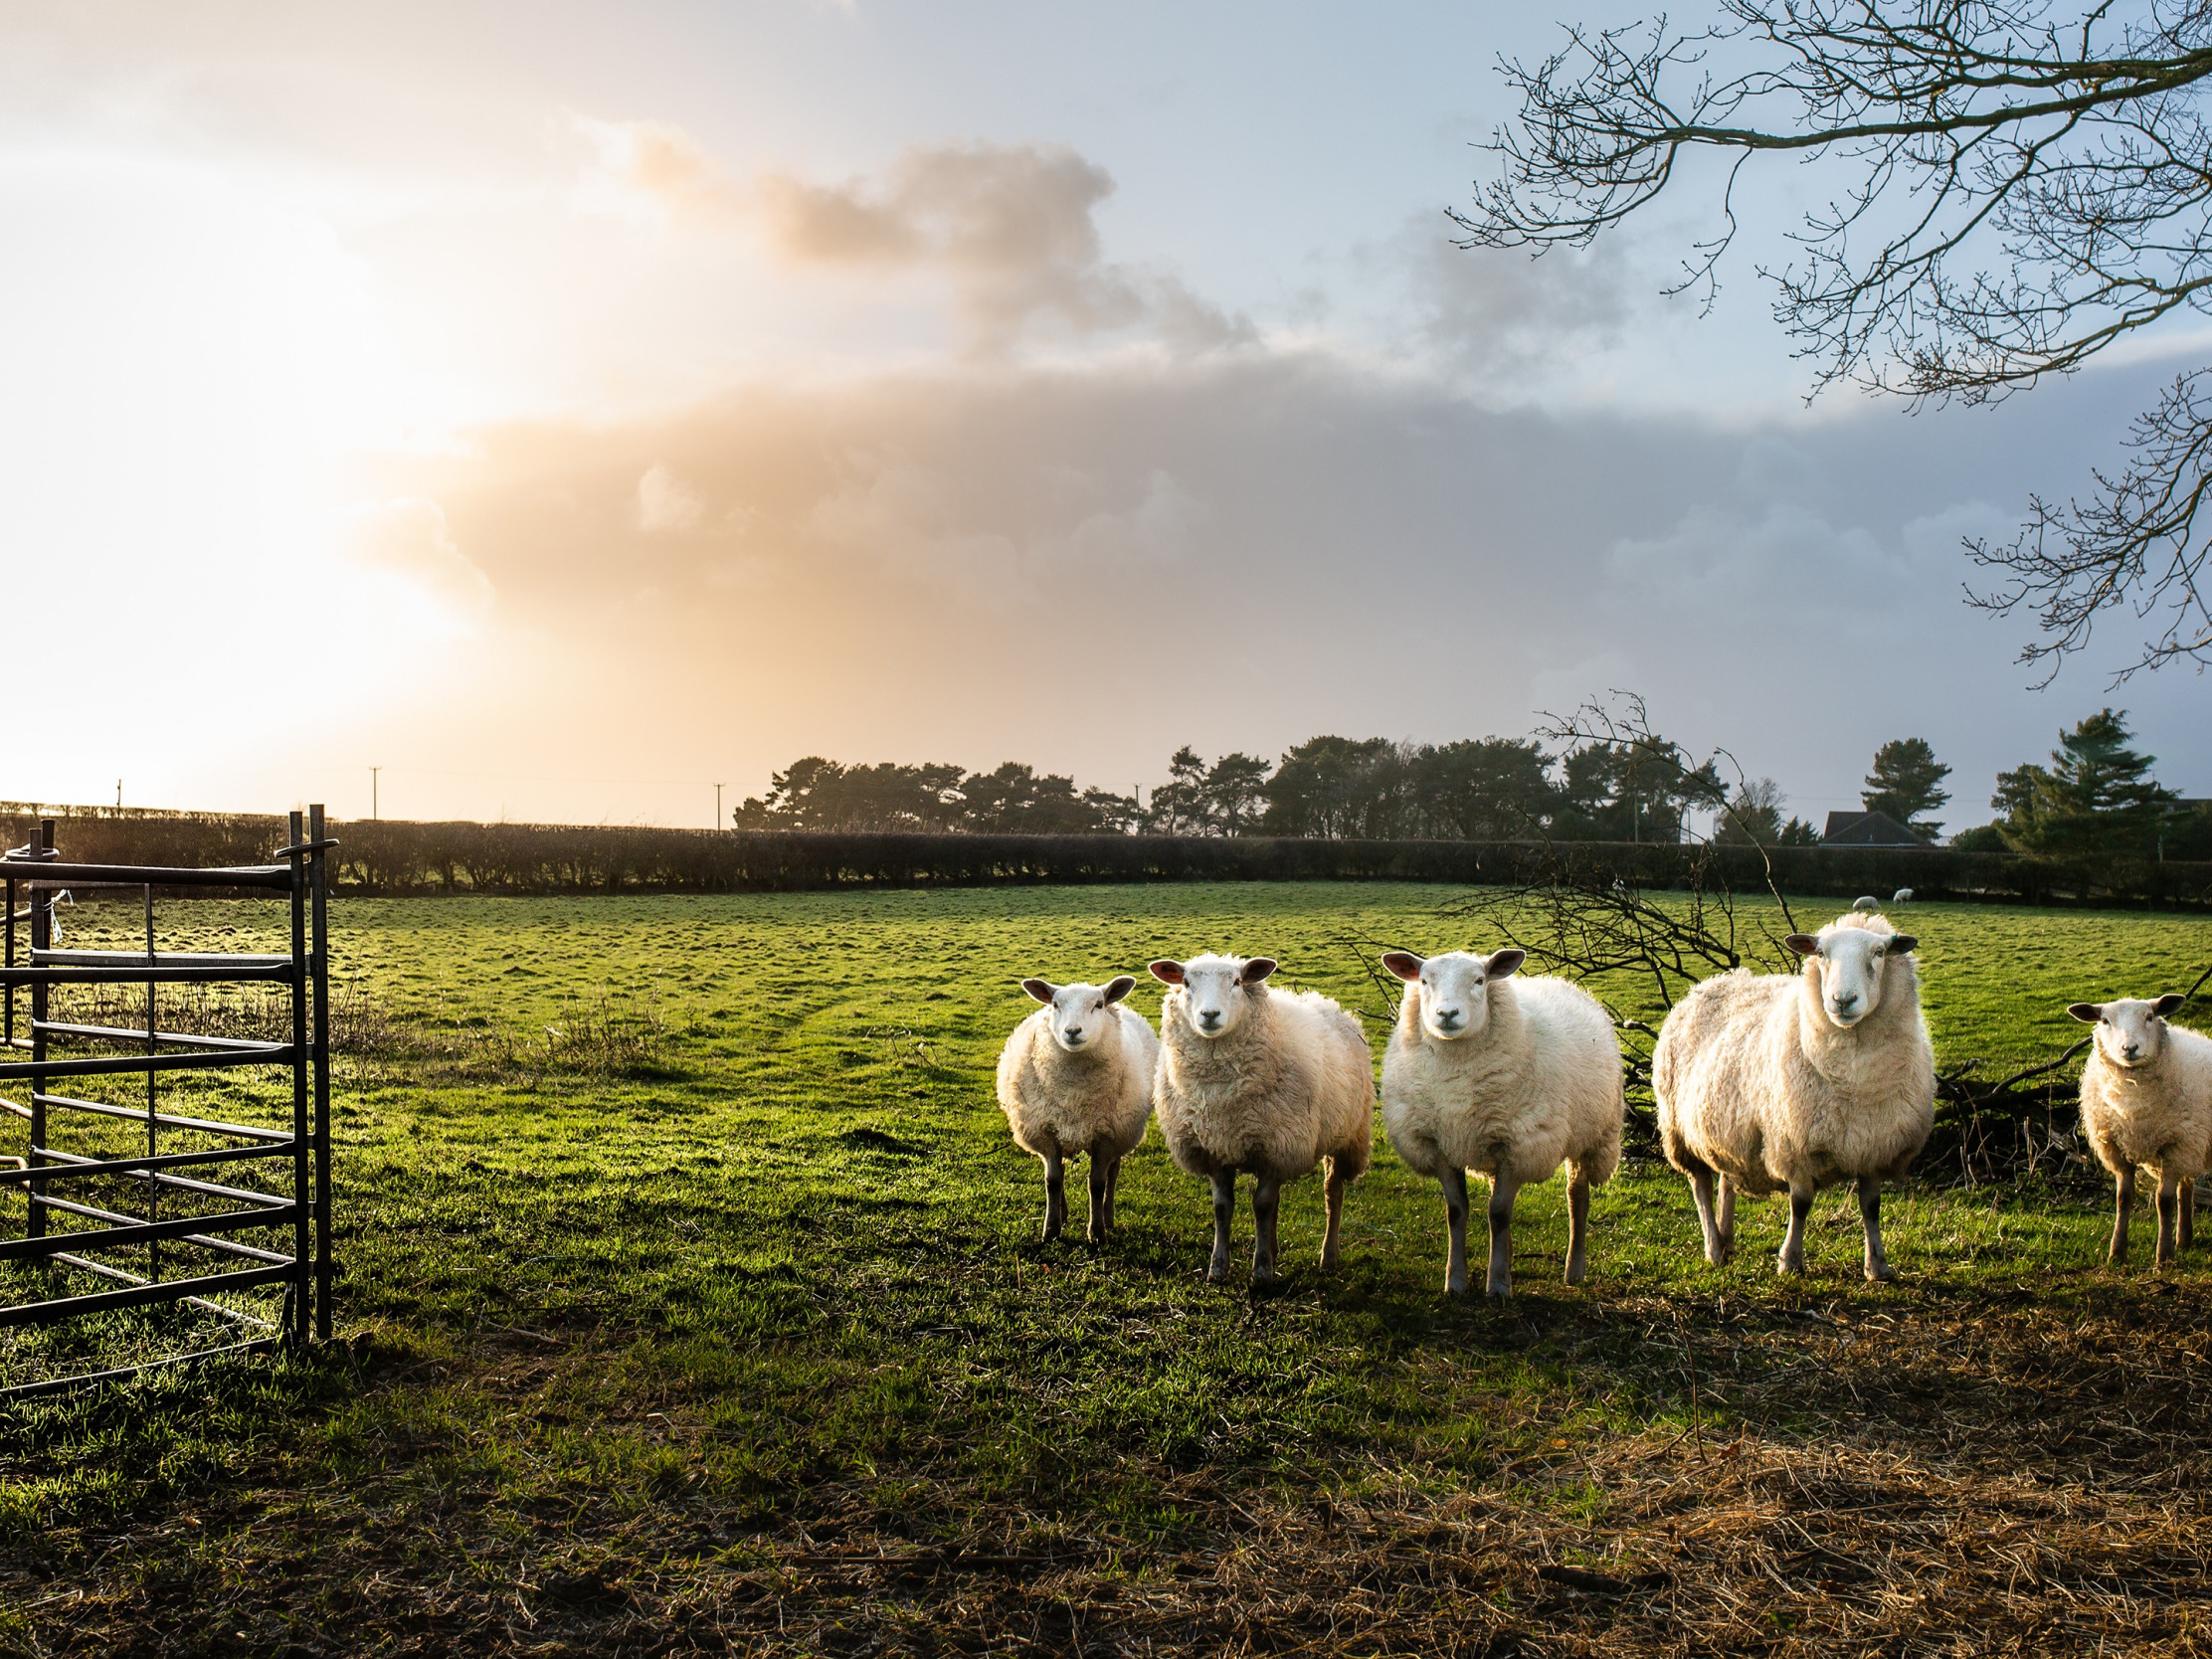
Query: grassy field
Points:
[693, 1301]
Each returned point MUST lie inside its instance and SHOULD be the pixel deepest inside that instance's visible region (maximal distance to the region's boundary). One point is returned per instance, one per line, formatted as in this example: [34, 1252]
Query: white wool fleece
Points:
[1076, 1076]
[1287, 1082]
[2146, 1090]
[1502, 1076]
[1805, 1080]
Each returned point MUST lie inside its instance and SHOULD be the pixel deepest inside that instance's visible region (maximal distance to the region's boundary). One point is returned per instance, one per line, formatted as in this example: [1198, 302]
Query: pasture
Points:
[693, 1301]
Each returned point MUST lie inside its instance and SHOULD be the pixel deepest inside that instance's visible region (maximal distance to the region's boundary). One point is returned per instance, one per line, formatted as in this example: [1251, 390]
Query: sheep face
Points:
[1844, 968]
[1217, 990]
[2130, 1031]
[1455, 988]
[1079, 1017]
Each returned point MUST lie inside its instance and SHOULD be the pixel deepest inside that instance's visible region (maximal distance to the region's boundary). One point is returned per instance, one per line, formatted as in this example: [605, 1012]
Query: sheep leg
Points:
[1701, 1191]
[1577, 1228]
[1724, 1219]
[1056, 1193]
[1097, 1183]
[1267, 1192]
[1224, 1206]
[1113, 1186]
[1332, 1194]
[1792, 1258]
[2169, 1213]
[1501, 1195]
[1454, 1183]
[1877, 1266]
[2188, 1233]
[2124, 1202]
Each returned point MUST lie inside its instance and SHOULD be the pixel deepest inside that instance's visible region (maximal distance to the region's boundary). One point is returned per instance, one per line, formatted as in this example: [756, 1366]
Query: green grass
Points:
[684, 1248]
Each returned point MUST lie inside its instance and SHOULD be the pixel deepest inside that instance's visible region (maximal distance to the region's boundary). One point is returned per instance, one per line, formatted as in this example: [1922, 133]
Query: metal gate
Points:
[189, 1254]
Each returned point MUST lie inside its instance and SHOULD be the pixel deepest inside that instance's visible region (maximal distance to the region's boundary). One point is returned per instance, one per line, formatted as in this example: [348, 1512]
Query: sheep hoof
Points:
[1501, 1292]
[1216, 1272]
[1577, 1272]
[1787, 1269]
[1881, 1275]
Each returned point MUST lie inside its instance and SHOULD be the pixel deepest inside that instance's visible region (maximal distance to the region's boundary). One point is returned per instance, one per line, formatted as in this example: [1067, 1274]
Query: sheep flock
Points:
[1764, 1085]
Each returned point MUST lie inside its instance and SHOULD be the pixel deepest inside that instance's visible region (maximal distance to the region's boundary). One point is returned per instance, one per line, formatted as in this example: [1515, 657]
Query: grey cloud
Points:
[1010, 226]
[896, 568]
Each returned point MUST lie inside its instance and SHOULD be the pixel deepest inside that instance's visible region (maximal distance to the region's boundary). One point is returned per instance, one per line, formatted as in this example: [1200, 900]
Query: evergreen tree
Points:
[1906, 784]
[2095, 799]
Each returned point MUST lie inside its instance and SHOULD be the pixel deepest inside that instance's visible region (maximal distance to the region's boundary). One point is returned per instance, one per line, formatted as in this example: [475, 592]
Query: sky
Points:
[564, 407]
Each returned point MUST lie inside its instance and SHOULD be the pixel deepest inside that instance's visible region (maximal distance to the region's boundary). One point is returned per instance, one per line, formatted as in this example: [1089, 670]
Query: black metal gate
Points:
[283, 1169]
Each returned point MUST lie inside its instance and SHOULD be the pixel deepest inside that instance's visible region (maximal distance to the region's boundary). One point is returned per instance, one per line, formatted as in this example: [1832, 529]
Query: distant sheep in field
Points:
[1904, 895]
[1508, 1078]
[1266, 1083]
[1866, 904]
[1800, 1082]
[1075, 1081]
[2146, 1103]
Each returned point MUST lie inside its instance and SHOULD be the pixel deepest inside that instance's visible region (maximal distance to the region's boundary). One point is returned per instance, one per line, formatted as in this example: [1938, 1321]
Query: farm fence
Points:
[148, 1210]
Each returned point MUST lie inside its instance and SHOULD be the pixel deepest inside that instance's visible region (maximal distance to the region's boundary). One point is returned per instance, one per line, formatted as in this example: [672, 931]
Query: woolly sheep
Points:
[1075, 1080]
[1904, 895]
[1866, 904]
[1800, 1082]
[1505, 1078]
[1255, 1081]
[2146, 1102]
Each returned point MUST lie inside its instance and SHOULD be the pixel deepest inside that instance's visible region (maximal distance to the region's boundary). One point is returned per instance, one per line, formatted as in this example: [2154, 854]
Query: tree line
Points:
[2094, 796]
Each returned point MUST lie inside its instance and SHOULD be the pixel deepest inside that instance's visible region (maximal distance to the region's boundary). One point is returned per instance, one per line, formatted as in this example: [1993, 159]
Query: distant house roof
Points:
[1867, 829]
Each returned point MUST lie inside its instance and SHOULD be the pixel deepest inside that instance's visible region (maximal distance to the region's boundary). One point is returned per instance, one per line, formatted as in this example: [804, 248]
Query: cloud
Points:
[409, 538]
[664, 504]
[871, 569]
[1011, 227]
[653, 168]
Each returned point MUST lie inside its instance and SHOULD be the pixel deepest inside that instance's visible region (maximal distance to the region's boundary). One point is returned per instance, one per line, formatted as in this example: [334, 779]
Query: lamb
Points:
[1272, 1085]
[1800, 1082]
[2146, 1102]
[1507, 1077]
[1075, 1079]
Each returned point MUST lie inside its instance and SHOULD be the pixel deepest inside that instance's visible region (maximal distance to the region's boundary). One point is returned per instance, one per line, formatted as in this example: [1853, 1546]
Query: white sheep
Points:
[1508, 1078]
[1255, 1081]
[1075, 1080]
[1866, 904]
[1904, 895]
[2146, 1103]
[1800, 1082]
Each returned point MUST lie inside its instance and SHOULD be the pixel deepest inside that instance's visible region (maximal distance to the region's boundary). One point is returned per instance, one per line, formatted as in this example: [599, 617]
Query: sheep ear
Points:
[2170, 1003]
[1405, 964]
[1256, 970]
[2089, 1014]
[1903, 943]
[1506, 961]
[1120, 986]
[1167, 972]
[1804, 944]
[1042, 990]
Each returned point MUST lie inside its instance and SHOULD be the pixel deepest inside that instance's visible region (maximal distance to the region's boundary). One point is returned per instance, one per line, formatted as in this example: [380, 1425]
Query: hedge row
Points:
[388, 857]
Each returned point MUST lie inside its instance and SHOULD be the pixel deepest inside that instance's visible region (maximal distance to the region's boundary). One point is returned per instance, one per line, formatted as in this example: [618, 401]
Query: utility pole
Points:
[373, 771]
[717, 806]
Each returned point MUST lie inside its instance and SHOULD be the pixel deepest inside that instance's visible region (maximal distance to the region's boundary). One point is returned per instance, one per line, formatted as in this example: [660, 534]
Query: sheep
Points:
[1260, 1082]
[1904, 895]
[1075, 1078]
[1866, 904]
[2146, 1102]
[1507, 1077]
[1800, 1082]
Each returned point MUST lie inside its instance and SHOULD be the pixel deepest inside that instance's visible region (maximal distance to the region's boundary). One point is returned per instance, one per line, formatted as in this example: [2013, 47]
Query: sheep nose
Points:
[1209, 1019]
[1447, 1017]
[2131, 1049]
[1074, 1039]
[1846, 1001]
